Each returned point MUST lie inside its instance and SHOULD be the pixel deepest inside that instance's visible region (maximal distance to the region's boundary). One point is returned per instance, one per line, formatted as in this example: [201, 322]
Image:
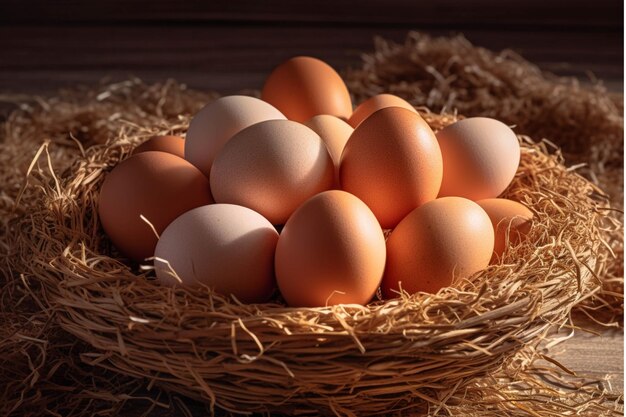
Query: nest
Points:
[86, 334]
[410, 352]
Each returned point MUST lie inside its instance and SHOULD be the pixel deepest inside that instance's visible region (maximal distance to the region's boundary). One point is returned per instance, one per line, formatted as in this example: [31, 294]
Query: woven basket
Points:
[413, 352]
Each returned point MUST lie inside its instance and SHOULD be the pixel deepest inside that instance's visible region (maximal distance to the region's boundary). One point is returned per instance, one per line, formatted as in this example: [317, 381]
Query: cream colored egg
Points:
[335, 134]
[480, 158]
[220, 120]
[272, 167]
[226, 247]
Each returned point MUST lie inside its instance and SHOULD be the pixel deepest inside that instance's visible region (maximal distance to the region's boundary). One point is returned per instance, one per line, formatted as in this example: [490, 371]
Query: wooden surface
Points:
[229, 46]
[596, 356]
[449, 13]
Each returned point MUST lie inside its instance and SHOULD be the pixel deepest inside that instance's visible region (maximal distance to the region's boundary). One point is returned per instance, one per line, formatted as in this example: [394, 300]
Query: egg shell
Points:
[375, 103]
[446, 239]
[480, 158]
[272, 167]
[166, 143]
[303, 87]
[158, 185]
[392, 162]
[226, 247]
[331, 251]
[335, 134]
[511, 221]
[219, 121]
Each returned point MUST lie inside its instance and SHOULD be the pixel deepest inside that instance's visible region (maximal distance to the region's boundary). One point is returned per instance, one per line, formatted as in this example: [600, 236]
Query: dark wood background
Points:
[232, 45]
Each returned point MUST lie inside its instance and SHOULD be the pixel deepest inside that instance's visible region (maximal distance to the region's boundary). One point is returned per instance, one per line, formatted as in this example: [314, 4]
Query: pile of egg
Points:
[208, 208]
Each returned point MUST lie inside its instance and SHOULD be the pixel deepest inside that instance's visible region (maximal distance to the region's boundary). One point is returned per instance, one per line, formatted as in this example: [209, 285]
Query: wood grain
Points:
[36, 59]
[448, 13]
[595, 356]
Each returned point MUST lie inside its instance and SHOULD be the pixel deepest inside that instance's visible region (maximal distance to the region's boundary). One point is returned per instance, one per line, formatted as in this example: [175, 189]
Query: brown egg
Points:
[444, 240]
[331, 251]
[511, 221]
[158, 185]
[375, 103]
[303, 87]
[225, 247]
[335, 134]
[170, 144]
[272, 167]
[219, 121]
[480, 158]
[392, 162]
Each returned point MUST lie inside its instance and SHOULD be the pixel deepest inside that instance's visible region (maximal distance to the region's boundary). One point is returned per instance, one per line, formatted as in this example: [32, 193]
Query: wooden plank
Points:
[595, 357]
[232, 58]
[449, 13]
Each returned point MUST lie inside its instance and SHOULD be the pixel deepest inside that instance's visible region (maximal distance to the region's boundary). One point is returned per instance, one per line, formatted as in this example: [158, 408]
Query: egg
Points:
[219, 121]
[225, 247]
[511, 221]
[375, 103]
[335, 134]
[272, 167]
[303, 87]
[331, 251]
[393, 163]
[442, 241]
[167, 143]
[157, 185]
[480, 158]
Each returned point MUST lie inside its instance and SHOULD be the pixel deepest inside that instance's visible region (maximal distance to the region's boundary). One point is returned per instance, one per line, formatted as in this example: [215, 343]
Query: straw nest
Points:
[473, 350]
[350, 360]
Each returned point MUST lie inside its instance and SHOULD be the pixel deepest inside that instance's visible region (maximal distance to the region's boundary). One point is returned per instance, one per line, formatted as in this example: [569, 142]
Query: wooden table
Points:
[227, 48]
[597, 356]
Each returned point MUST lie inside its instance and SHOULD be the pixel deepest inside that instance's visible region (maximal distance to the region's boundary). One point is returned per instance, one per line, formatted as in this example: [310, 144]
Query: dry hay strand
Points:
[58, 383]
[77, 119]
[40, 367]
[412, 353]
[449, 74]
